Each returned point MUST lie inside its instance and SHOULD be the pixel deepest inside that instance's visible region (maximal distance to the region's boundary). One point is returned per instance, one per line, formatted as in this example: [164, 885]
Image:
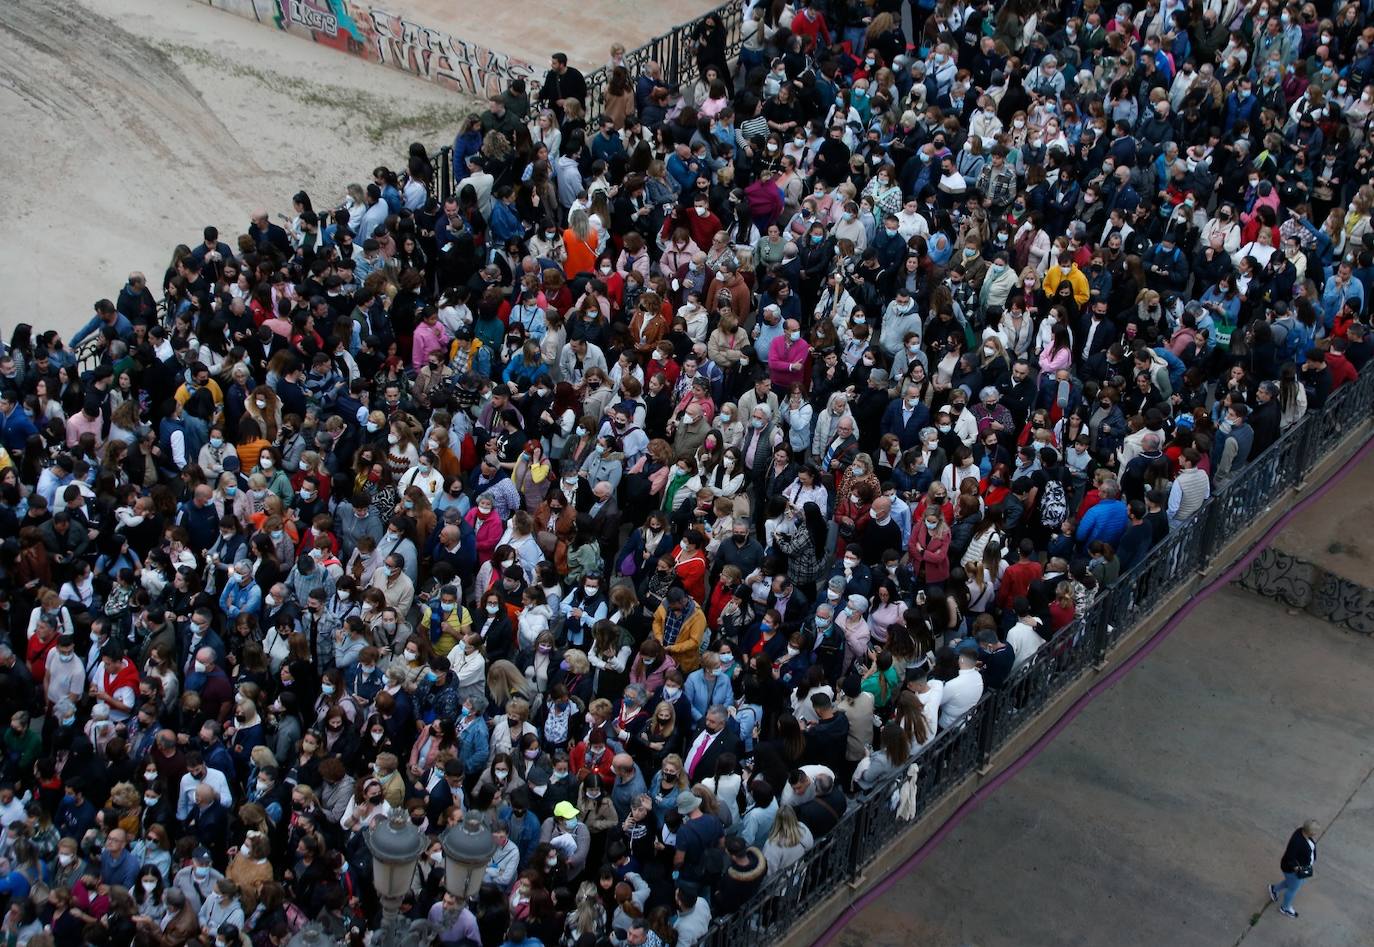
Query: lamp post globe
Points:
[395, 845]
[468, 847]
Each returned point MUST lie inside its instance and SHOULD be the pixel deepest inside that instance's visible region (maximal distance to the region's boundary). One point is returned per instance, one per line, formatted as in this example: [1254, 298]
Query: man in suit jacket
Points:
[1297, 863]
[827, 739]
[605, 515]
[906, 418]
[715, 739]
[1096, 332]
[209, 823]
[1041, 591]
[446, 792]
[1265, 419]
[795, 607]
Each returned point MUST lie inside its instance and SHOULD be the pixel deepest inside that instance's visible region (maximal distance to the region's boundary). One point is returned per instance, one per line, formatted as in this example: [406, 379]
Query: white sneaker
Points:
[1273, 894]
[1289, 911]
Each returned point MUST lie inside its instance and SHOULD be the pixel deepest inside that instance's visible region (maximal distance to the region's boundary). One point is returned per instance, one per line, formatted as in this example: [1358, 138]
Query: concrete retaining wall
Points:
[380, 35]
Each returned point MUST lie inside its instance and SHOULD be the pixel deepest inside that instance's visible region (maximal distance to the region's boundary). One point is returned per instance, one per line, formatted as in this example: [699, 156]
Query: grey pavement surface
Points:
[1337, 533]
[1158, 815]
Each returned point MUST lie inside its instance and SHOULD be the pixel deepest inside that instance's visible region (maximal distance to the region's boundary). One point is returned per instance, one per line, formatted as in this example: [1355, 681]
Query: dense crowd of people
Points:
[670, 485]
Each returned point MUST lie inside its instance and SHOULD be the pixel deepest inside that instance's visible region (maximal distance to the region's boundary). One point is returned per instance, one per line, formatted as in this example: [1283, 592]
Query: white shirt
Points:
[429, 484]
[912, 225]
[960, 695]
[930, 707]
[414, 195]
[186, 794]
[1024, 641]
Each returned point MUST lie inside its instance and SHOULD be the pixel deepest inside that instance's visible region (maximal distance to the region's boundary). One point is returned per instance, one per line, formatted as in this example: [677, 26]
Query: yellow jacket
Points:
[1054, 276]
[686, 650]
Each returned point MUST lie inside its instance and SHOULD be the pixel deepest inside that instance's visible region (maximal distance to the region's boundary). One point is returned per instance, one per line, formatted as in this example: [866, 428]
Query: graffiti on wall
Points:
[320, 16]
[392, 40]
[327, 21]
[439, 57]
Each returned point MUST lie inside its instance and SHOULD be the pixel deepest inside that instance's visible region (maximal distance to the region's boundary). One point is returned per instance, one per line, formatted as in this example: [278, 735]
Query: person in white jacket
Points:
[900, 317]
[469, 664]
[505, 861]
[1224, 226]
[1024, 636]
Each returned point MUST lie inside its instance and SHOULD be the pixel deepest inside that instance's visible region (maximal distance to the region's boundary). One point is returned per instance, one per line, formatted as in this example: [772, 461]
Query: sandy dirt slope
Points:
[131, 124]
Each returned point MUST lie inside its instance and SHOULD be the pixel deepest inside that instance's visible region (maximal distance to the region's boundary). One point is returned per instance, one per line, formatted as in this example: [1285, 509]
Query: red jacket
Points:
[578, 761]
[1017, 580]
[811, 31]
[1342, 372]
[692, 572]
[720, 597]
[125, 676]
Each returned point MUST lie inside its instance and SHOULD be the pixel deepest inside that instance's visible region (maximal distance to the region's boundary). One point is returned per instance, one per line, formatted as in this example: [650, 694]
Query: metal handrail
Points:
[674, 50]
[870, 825]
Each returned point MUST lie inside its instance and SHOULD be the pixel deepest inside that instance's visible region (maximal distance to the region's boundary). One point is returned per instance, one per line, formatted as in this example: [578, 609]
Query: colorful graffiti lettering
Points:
[442, 58]
[321, 17]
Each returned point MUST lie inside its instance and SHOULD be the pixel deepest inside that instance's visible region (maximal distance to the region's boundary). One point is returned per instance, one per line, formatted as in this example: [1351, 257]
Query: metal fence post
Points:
[445, 173]
[1097, 620]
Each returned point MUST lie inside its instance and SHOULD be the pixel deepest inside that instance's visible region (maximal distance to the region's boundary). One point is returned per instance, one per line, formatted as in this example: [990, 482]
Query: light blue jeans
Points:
[1289, 886]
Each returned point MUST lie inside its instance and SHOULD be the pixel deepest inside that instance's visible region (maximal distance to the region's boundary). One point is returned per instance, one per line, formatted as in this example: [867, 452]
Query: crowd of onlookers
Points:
[671, 484]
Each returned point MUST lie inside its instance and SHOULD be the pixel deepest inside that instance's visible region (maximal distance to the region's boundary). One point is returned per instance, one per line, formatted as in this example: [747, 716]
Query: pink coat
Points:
[929, 552]
[488, 534]
[427, 339]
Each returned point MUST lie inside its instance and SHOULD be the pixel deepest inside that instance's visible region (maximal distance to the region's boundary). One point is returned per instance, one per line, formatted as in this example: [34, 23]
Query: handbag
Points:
[1302, 871]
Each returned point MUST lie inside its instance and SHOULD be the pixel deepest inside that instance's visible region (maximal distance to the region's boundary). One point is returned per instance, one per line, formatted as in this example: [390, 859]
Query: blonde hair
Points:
[786, 830]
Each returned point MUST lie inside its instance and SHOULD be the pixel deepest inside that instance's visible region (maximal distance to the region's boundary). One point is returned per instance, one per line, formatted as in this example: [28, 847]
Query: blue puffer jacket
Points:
[1106, 521]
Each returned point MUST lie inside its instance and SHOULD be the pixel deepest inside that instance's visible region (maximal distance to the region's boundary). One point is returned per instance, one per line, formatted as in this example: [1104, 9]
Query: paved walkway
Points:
[1158, 816]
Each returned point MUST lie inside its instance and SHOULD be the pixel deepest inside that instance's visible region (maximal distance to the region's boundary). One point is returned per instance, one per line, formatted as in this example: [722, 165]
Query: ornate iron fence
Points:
[871, 823]
[675, 51]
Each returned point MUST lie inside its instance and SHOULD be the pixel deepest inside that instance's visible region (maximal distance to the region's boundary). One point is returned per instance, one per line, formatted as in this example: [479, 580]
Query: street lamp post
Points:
[396, 845]
[468, 847]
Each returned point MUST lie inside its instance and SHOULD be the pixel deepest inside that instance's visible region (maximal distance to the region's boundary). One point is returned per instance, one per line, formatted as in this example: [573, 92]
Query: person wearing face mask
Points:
[197, 881]
[929, 547]
[436, 696]
[582, 609]
[64, 675]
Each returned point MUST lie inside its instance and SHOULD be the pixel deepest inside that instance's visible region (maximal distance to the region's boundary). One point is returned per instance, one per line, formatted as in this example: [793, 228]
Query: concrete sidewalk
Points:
[1159, 815]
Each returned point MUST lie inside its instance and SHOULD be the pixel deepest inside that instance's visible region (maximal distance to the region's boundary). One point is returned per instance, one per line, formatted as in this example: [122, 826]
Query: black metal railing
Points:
[872, 823]
[675, 51]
